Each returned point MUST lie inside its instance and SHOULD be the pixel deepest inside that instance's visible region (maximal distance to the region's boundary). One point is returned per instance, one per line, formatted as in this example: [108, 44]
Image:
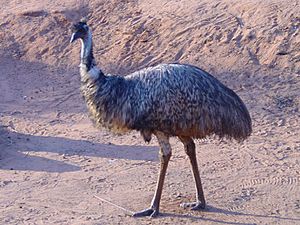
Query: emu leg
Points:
[189, 147]
[165, 155]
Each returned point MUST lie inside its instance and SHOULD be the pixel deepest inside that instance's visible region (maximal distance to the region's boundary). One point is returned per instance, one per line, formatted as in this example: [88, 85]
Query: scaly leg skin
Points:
[193, 205]
[189, 147]
[147, 212]
[153, 211]
[165, 155]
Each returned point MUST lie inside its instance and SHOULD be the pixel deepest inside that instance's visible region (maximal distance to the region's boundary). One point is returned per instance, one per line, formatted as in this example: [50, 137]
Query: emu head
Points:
[80, 30]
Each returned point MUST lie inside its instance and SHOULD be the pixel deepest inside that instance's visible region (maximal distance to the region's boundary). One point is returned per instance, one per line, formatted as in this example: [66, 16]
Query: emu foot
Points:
[193, 205]
[147, 212]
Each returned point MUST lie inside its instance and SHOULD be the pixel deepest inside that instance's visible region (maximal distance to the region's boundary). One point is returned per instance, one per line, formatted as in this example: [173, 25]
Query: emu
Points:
[167, 100]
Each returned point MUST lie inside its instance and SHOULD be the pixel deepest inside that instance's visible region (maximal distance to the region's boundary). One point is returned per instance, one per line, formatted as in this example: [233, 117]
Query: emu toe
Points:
[147, 212]
[193, 205]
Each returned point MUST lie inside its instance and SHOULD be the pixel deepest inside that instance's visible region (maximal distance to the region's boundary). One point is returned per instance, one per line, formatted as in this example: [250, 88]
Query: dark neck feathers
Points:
[87, 57]
[88, 63]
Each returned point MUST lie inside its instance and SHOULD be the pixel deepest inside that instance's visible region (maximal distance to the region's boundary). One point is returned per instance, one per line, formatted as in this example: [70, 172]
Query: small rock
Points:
[178, 196]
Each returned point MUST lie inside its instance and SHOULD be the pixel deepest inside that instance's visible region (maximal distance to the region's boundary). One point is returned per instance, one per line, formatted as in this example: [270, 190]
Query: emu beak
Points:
[74, 37]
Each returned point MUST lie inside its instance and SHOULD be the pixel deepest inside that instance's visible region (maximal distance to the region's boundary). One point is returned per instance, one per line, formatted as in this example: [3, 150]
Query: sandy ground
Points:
[52, 159]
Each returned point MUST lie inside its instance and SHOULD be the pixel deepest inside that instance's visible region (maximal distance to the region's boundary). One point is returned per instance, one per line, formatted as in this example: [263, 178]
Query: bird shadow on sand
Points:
[211, 210]
[16, 149]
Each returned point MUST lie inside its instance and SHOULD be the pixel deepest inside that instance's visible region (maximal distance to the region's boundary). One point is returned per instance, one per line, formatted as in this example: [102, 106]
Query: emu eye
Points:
[82, 30]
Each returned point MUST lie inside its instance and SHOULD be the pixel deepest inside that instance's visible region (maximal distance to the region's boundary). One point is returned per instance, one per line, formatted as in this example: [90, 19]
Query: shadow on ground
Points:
[16, 148]
[211, 210]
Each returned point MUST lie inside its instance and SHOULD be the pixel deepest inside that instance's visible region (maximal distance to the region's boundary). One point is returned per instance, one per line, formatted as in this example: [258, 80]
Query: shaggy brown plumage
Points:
[172, 98]
[165, 100]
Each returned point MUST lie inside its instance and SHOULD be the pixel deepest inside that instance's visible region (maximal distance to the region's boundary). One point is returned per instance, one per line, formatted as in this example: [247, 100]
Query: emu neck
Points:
[87, 57]
[88, 68]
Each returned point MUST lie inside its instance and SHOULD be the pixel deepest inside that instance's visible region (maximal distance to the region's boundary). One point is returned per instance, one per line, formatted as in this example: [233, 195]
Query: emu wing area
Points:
[183, 100]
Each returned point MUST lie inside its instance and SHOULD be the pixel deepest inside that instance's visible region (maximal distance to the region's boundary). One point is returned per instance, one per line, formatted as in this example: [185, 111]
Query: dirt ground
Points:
[53, 161]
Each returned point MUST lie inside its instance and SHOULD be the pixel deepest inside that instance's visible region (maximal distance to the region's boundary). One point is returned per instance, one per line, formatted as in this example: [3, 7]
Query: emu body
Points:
[165, 100]
[172, 98]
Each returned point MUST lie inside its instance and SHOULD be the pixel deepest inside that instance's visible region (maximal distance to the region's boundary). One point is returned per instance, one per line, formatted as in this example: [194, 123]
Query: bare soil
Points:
[53, 161]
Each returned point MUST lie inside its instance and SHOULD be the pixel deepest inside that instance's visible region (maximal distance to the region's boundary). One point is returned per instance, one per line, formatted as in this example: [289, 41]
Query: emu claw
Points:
[147, 212]
[193, 205]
